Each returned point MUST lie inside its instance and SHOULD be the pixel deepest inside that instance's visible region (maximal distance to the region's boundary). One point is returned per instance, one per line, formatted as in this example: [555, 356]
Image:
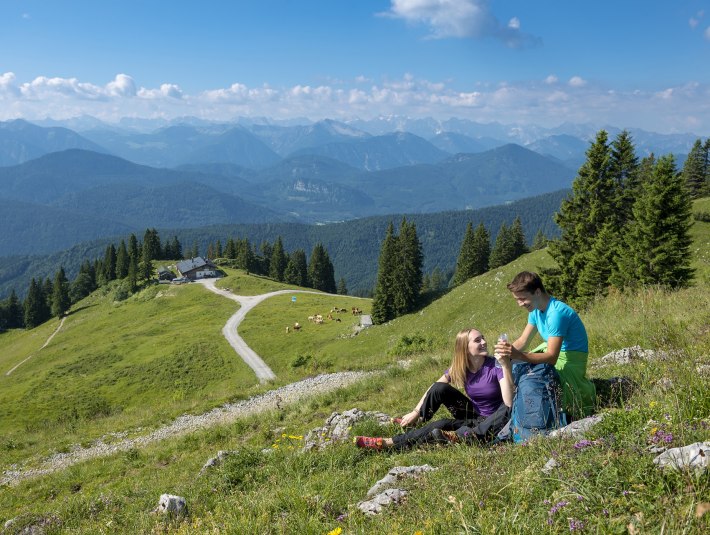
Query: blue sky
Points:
[627, 63]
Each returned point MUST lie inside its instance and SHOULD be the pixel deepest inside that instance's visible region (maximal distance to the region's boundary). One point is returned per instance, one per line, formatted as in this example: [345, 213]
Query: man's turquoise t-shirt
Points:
[559, 319]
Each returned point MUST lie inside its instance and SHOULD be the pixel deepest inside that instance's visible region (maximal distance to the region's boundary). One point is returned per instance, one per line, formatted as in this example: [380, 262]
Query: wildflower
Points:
[575, 525]
[605, 512]
[557, 507]
[580, 498]
[546, 502]
[652, 404]
[625, 492]
[342, 517]
[336, 531]
[583, 444]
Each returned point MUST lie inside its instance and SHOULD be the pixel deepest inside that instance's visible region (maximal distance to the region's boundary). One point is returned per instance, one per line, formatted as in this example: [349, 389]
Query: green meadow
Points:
[134, 365]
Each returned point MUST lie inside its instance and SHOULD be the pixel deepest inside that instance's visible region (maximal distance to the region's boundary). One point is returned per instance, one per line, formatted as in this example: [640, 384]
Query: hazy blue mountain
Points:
[455, 143]
[309, 166]
[179, 205]
[221, 169]
[288, 139]
[21, 141]
[568, 149]
[380, 152]
[236, 146]
[467, 181]
[30, 228]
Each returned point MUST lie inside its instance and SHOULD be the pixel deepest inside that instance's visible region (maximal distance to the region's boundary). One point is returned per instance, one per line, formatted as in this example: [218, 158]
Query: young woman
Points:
[477, 415]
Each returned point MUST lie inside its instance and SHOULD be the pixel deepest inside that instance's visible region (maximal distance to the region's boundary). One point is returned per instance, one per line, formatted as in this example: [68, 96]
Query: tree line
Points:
[131, 263]
[627, 221]
[401, 286]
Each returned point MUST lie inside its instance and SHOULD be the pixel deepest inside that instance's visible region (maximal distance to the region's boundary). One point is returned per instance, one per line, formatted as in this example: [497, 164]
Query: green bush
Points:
[411, 345]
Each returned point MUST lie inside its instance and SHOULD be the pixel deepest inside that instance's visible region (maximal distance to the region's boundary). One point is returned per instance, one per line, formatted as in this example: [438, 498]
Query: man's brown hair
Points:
[526, 281]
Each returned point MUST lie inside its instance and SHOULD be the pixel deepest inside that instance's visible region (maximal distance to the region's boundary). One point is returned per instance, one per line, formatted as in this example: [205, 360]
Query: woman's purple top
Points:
[483, 387]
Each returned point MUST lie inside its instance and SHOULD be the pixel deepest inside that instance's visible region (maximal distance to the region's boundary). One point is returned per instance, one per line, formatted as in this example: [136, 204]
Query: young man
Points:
[565, 346]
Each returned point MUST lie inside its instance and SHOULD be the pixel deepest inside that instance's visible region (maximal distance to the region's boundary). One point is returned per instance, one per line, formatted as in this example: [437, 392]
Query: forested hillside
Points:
[353, 246]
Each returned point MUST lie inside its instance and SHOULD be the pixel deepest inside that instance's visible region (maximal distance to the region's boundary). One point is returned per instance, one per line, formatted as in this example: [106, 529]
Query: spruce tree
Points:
[36, 311]
[502, 251]
[278, 261]
[437, 281]
[245, 257]
[408, 269]
[657, 242]
[60, 297]
[151, 245]
[218, 249]
[466, 263]
[110, 263]
[321, 273]
[539, 241]
[122, 261]
[694, 169]
[133, 272]
[518, 244]
[581, 217]
[48, 291]
[342, 287]
[230, 250]
[624, 171]
[383, 308]
[597, 271]
[296, 271]
[14, 316]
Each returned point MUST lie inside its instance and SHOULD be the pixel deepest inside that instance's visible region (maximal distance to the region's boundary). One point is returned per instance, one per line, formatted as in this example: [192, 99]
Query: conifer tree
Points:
[624, 171]
[596, 273]
[539, 241]
[244, 255]
[265, 260]
[210, 250]
[60, 297]
[133, 272]
[408, 269]
[151, 245]
[145, 266]
[110, 263]
[581, 217]
[321, 273]
[36, 311]
[230, 250]
[695, 169]
[518, 244]
[342, 287]
[437, 281]
[133, 249]
[122, 261]
[83, 284]
[218, 249]
[13, 312]
[48, 291]
[467, 260]
[502, 251]
[296, 271]
[278, 261]
[657, 242]
[175, 249]
[383, 308]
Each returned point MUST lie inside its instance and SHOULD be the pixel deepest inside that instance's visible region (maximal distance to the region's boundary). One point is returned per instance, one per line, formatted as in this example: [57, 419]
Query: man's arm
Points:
[554, 345]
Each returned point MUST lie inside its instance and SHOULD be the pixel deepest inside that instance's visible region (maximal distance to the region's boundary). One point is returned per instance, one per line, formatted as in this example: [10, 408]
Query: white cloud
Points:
[461, 19]
[122, 86]
[537, 101]
[695, 20]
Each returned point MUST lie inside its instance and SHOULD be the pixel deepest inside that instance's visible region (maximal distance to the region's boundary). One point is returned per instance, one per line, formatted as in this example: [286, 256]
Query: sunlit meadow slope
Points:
[605, 484]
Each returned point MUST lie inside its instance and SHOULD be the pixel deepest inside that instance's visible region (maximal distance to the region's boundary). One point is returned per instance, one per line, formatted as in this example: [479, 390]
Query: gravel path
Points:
[185, 424]
[188, 423]
[230, 332]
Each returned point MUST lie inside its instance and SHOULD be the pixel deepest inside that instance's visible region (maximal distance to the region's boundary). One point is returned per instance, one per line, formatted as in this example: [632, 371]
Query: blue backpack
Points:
[536, 405]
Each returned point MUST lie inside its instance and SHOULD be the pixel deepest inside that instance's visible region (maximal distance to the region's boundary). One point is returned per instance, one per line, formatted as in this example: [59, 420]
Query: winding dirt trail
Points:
[61, 324]
[230, 332]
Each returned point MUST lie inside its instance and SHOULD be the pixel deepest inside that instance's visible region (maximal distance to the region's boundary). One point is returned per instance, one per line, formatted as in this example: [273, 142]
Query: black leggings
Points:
[468, 424]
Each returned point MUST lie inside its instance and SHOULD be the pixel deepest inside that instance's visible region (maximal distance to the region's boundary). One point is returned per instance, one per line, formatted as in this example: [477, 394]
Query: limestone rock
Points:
[695, 457]
[171, 505]
[396, 474]
[337, 428]
[375, 505]
[216, 461]
[630, 354]
[32, 525]
[550, 466]
[578, 427]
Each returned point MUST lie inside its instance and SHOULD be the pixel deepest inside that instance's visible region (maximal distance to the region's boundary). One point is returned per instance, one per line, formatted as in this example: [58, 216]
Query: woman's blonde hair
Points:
[457, 371]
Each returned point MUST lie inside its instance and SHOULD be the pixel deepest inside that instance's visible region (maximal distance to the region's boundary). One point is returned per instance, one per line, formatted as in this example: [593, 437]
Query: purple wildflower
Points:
[546, 502]
[557, 507]
[341, 517]
[580, 498]
[625, 492]
[575, 525]
[605, 512]
[549, 521]
[583, 444]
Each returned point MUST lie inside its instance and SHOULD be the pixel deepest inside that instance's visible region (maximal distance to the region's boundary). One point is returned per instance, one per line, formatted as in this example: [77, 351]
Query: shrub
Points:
[411, 344]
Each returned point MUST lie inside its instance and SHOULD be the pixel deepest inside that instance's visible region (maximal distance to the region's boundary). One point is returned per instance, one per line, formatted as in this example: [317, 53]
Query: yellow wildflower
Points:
[336, 531]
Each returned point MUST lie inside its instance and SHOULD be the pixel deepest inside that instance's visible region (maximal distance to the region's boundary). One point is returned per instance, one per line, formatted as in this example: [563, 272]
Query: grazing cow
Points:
[330, 317]
[296, 326]
[311, 318]
[337, 319]
[319, 318]
[288, 329]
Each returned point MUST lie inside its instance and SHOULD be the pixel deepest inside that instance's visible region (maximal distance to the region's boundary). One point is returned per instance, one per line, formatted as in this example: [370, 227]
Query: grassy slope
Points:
[608, 485]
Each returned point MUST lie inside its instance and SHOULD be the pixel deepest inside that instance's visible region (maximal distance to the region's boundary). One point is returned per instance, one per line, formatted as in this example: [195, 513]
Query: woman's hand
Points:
[410, 418]
[503, 351]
